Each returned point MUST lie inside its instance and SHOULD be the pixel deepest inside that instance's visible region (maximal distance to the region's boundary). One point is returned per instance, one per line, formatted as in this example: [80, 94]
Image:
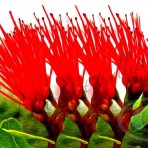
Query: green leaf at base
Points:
[137, 103]
[27, 136]
[138, 121]
[13, 128]
[107, 138]
[8, 141]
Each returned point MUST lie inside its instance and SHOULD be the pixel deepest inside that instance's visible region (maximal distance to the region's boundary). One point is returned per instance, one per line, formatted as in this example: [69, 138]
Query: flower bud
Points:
[92, 119]
[38, 105]
[72, 105]
[105, 105]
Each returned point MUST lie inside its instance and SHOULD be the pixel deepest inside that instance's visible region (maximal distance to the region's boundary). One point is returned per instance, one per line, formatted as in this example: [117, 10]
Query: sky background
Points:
[25, 9]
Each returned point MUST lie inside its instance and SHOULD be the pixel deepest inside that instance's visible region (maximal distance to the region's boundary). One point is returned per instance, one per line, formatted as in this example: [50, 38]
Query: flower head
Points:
[94, 55]
[63, 58]
[22, 63]
[131, 53]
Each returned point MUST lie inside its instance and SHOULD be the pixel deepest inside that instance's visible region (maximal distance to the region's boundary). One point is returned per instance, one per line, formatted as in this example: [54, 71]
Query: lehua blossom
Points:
[22, 66]
[26, 52]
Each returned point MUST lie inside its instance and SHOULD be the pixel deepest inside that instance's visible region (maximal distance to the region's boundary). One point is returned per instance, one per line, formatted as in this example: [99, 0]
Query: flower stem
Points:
[116, 145]
[84, 145]
[86, 125]
[53, 124]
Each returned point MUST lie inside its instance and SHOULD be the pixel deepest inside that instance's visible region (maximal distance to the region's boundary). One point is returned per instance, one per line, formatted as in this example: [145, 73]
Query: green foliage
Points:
[13, 128]
[11, 124]
[70, 129]
[10, 141]
[136, 139]
[103, 129]
[137, 103]
[25, 119]
[139, 120]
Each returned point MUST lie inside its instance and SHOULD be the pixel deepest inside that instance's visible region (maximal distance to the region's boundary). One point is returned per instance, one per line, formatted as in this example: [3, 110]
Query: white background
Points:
[25, 9]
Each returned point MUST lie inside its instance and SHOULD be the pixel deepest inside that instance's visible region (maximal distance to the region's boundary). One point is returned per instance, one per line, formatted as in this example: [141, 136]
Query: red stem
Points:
[86, 124]
[53, 124]
[118, 133]
[116, 145]
[84, 145]
[51, 145]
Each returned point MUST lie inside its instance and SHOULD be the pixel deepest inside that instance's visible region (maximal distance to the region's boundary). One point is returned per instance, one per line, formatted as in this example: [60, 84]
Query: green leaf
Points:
[29, 123]
[145, 115]
[16, 142]
[9, 141]
[72, 127]
[110, 139]
[11, 123]
[96, 141]
[137, 103]
[97, 136]
[7, 108]
[137, 139]
[13, 127]
[27, 136]
[103, 128]
[72, 130]
[140, 120]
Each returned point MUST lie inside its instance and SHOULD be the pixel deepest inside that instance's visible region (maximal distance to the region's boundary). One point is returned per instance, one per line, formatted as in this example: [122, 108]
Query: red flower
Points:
[130, 53]
[63, 58]
[22, 66]
[94, 55]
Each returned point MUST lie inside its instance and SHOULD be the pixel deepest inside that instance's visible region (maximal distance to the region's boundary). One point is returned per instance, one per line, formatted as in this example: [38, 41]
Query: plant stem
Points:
[138, 110]
[86, 125]
[84, 145]
[51, 145]
[116, 145]
[53, 124]
[119, 134]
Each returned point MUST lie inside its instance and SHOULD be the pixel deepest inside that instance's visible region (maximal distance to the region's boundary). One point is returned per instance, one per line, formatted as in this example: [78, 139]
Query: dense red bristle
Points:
[27, 75]
[28, 51]
[131, 48]
[30, 47]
